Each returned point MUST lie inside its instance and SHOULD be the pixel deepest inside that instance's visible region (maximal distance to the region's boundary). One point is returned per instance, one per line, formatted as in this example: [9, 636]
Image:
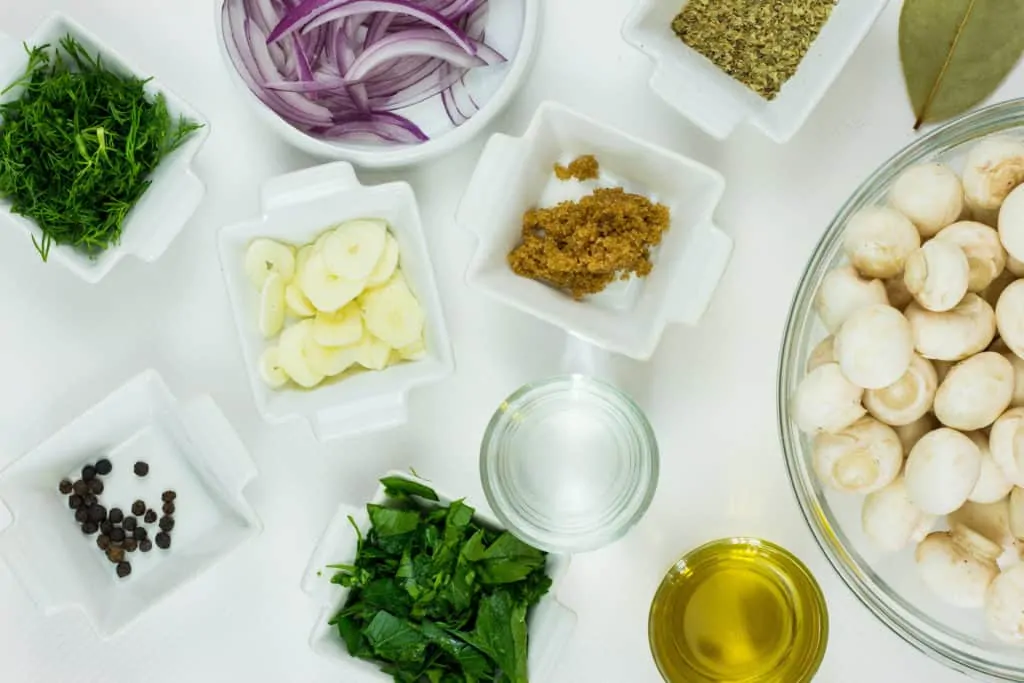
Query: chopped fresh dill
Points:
[78, 145]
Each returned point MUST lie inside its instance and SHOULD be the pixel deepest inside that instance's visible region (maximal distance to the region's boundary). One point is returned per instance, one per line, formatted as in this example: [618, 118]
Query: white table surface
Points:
[709, 391]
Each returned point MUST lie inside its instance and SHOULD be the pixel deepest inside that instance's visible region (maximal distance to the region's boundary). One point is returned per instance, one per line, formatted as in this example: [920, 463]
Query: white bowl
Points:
[512, 29]
[716, 102]
[688, 264]
[191, 449]
[296, 208]
[550, 623]
[172, 198]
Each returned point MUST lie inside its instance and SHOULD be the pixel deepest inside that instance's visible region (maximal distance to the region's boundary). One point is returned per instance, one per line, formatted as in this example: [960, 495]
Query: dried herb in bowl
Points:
[760, 43]
[78, 145]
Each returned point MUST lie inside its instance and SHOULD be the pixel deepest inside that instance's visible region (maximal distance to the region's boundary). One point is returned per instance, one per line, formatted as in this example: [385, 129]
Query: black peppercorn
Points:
[80, 487]
[129, 523]
[74, 501]
[90, 527]
[88, 472]
[140, 533]
[123, 569]
[150, 516]
[115, 555]
[103, 541]
[167, 523]
[82, 515]
[88, 500]
[104, 467]
[65, 486]
[97, 513]
[96, 486]
[168, 508]
[145, 545]
[163, 540]
[106, 528]
[168, 496]
[138, 507]
[141, 469]
[116, 535]
[116, 515]
[131, 545]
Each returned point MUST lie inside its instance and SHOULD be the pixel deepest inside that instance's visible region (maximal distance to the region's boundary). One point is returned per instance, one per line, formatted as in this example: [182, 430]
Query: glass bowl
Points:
[888, 584]
[569, 464]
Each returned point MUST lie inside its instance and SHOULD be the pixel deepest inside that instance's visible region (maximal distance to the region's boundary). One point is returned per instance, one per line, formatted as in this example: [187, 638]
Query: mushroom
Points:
[864, 457]
[993, 168]
[992, 484]
[874, 346]
[942, 469]
[1018, 377]
[958, 565]
[985, 255]
[842, 292]
[897, 293]
[878, 241]
[975, 392]
[930, 195]
[955, 334]
[823, 353]
[996, 288]
[910, 434]
[1002, 442]
[826, 401]
[991, 520]
[891, 521]
[1004, 606]
[937, 275]
[1015, 512]
[907, 399]
[1010, 317]
[1011, 226]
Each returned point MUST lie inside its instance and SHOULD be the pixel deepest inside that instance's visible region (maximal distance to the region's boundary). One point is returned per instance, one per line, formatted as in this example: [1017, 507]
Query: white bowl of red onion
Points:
[379, 83]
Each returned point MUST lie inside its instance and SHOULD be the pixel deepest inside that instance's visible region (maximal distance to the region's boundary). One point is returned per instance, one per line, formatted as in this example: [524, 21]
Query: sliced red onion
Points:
[417, 41]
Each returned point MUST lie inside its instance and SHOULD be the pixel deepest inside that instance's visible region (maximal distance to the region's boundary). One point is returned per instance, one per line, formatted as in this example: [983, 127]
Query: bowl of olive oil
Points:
[738, 610]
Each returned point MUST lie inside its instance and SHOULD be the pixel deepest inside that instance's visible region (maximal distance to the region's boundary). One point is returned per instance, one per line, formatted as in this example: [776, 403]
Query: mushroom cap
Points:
[878, 240]
[823, 352]
[910, 434]
[891, 521]
[1002, 444]
[1011, 227]
[942, 470]
[985, 255]
[993, 168]
[874, 346]
[864, 457]
[930, 195]
[907, 399]
[842, 292]
[937, 275]
[975, 392]
[1018, 377]
[991, 520]
[1004, 606]
[955, 566]
[992, 484]
[826, 401]
[1010, 317]
[955, 334]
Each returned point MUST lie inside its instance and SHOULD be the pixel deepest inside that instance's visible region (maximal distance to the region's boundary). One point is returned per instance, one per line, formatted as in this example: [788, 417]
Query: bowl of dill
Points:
[95, 157]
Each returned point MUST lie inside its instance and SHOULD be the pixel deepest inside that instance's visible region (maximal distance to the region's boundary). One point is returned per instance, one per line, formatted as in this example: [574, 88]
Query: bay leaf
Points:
[955, 53]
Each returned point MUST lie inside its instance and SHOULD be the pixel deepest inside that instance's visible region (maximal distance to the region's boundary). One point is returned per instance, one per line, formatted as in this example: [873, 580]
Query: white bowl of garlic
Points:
[334, 299]
[901, 393]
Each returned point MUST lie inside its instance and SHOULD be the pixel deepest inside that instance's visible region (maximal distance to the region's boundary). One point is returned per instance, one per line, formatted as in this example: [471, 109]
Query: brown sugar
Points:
[581, 168]
[582, 247]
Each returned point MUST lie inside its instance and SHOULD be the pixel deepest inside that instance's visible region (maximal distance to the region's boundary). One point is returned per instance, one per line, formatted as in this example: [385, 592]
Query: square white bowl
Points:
[191, 448]
[715, 101]
[296, 208]
[169, 202]
[550, 623]
[688, 264]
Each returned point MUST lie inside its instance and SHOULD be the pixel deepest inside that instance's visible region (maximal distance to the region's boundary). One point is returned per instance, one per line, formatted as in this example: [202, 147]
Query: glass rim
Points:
[926, 634]
[634, 507]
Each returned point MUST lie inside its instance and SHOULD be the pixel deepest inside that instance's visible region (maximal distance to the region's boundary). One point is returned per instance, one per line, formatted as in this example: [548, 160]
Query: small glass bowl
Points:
[569, 464]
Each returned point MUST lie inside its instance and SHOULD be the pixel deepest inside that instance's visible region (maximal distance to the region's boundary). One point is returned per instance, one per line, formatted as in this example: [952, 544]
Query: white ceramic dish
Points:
[168, 204]
[716, 102]
[296, 208]
[191, 448]
[512, 29]
[550, 623]
[512, 175]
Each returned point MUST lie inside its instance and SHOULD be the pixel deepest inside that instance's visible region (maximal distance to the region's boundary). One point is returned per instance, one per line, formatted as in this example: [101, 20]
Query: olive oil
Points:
[738, 610]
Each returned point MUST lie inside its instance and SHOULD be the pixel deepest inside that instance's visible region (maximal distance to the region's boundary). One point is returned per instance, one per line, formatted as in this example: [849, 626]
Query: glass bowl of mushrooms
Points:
[901, 393]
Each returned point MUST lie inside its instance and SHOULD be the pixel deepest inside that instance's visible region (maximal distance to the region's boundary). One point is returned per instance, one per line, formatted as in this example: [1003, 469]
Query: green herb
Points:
[437, 598]
[955, 53]
[760, 43]
[78, 145]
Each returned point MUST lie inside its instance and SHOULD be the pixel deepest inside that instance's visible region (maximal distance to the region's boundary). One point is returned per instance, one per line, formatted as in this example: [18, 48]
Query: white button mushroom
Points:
[1004, 606]
[1003, 445]
[826, 401]
[842, 292]
[891, 521]
[930, 195]
[994, 167]
[823, 352]
[1018, 377]
[955, 334]
[864, 457]
[975, 392]
[1011, 226]
[991, 520]
[910, 434]
[906, 400]
[897, 293]
[941, 471]
[958, 565]
[992, 484]
[878, 241]
[985, 255]
[874, 346]
[1010, 317]
[937, 275]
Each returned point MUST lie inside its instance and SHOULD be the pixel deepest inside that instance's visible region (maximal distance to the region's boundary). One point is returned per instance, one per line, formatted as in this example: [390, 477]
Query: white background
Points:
[709, 391]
